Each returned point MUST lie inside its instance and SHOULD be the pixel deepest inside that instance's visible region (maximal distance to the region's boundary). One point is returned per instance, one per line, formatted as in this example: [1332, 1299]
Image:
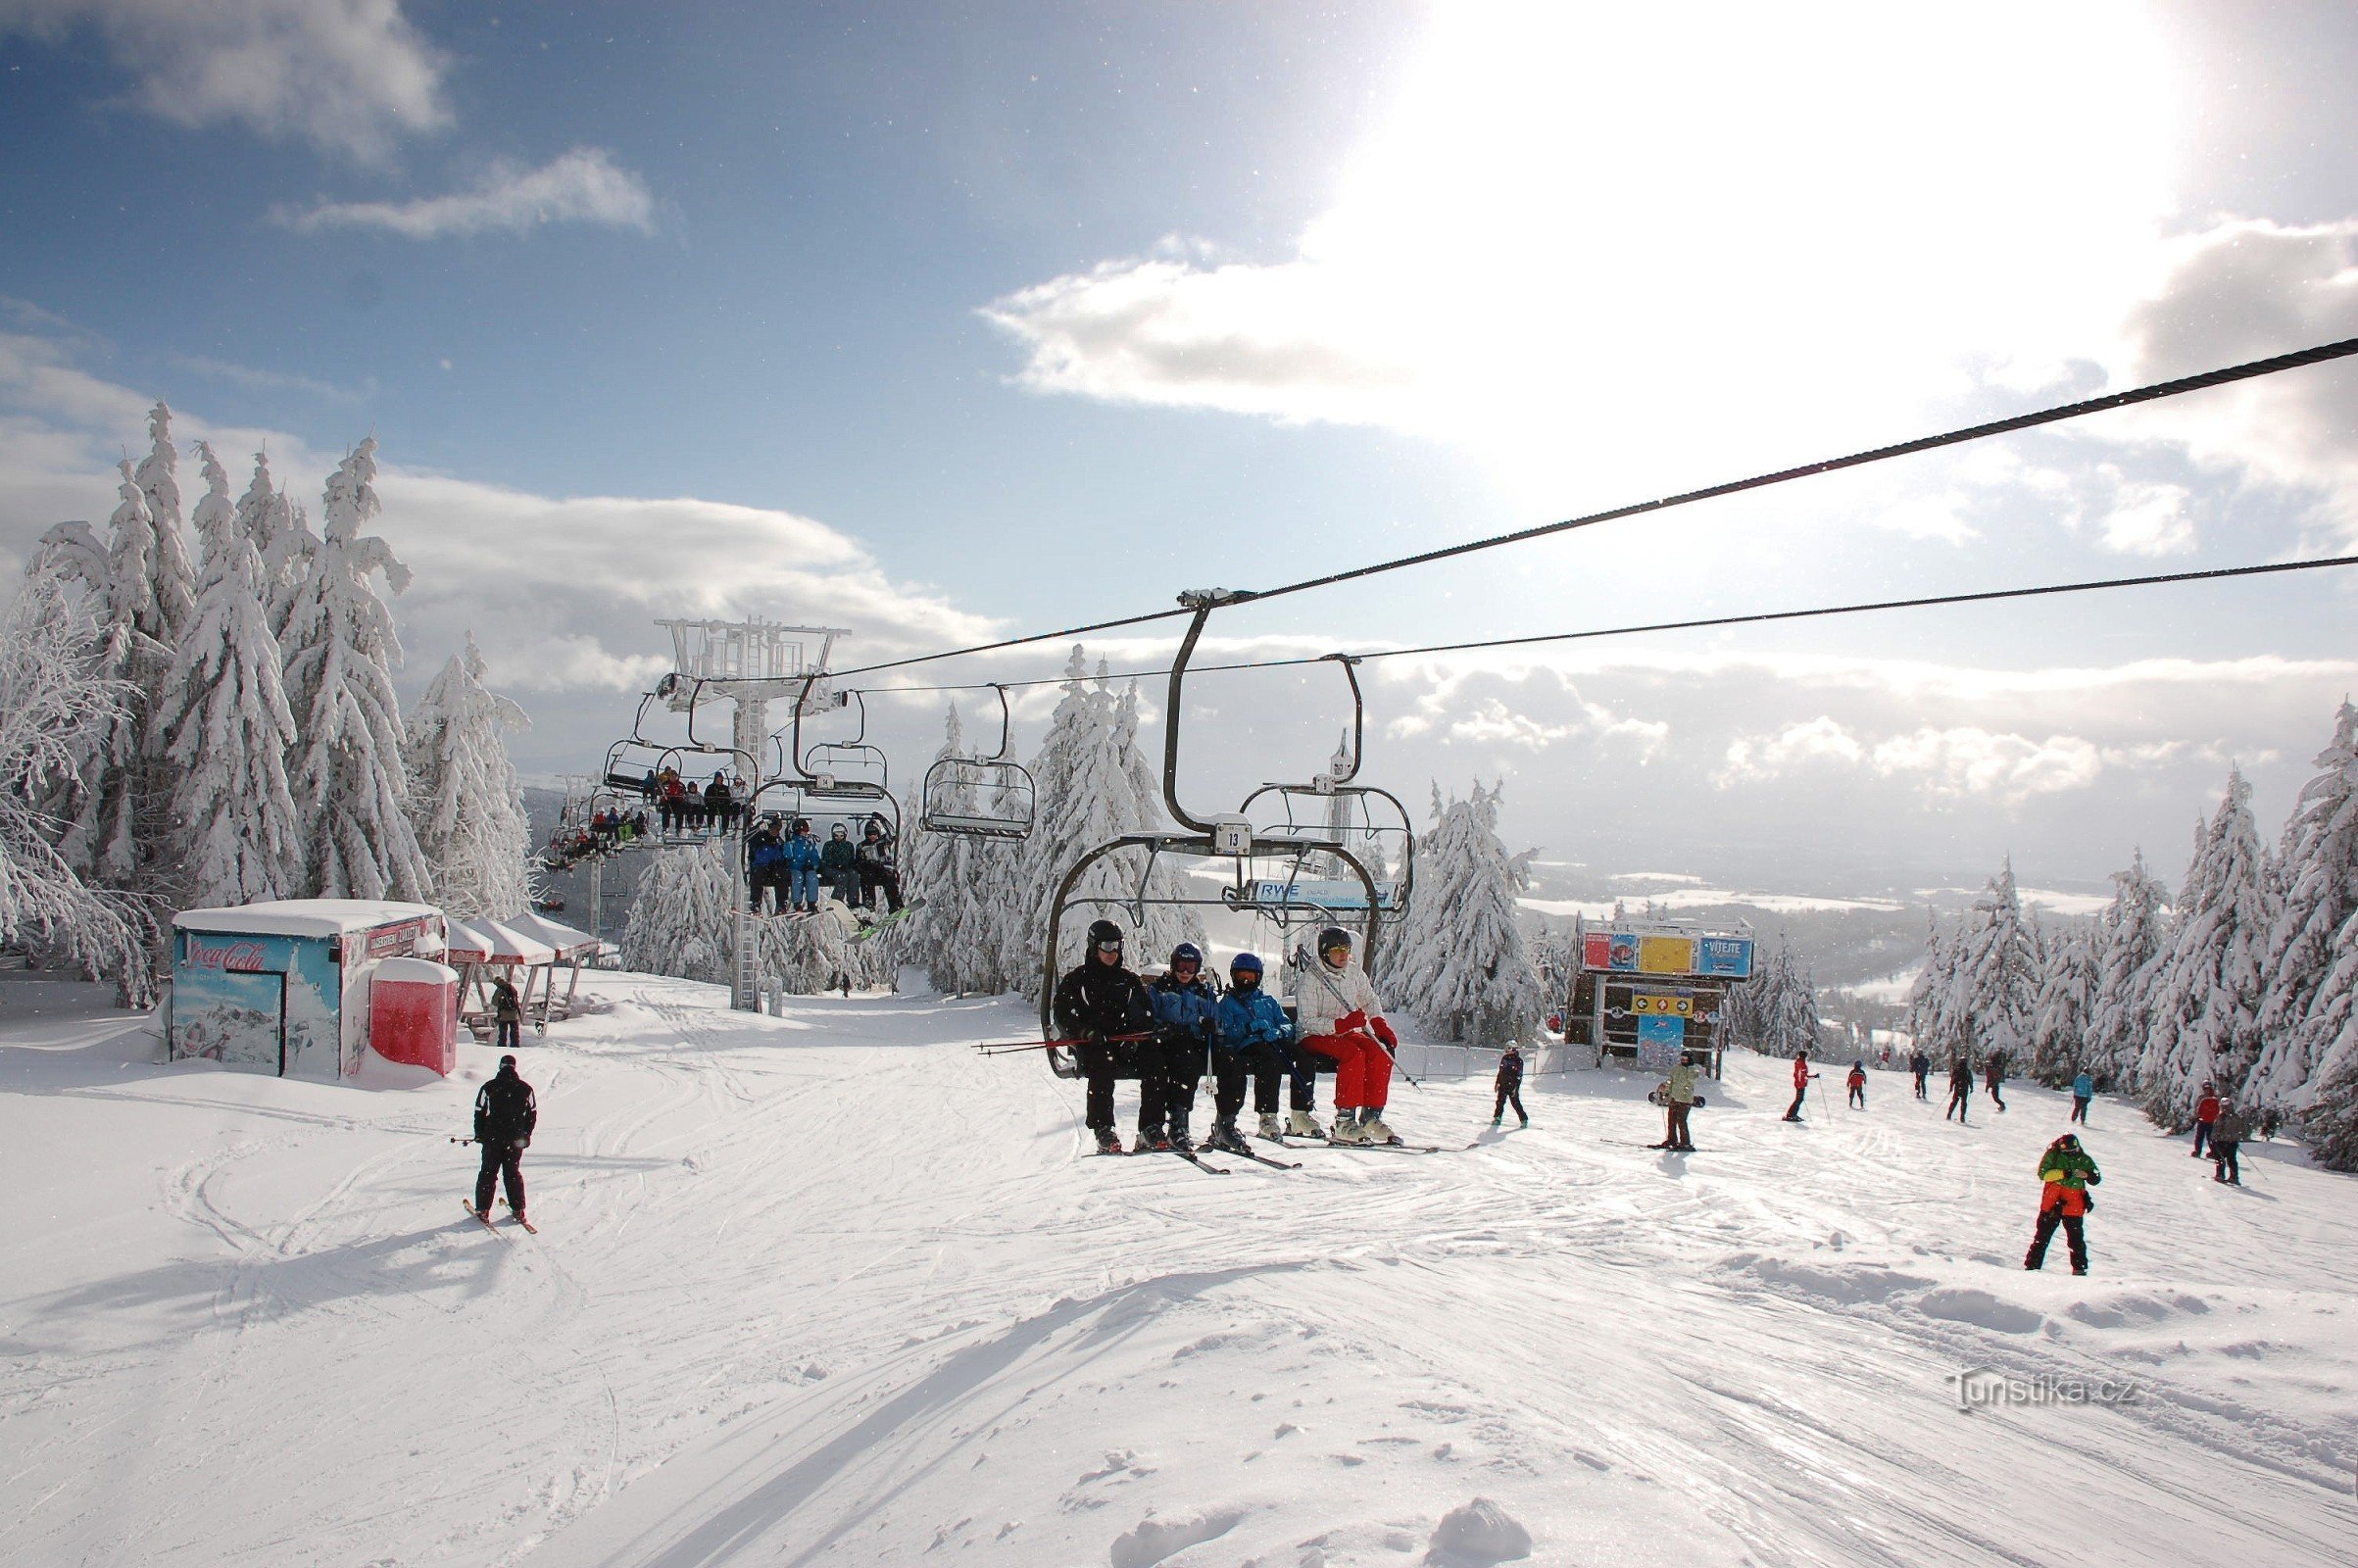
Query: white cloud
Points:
[246, 378]
[1969, 761]
[1763, 756]
[1938, 516]
[351, 76]
[582, 186]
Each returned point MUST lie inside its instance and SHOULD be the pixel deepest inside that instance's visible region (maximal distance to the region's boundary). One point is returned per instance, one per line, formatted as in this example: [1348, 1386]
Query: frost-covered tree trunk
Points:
[2207, 999]
[465, 802]
[2132, 938]
[2059, 1037]
[2317, 869]
[226, 726]
[348, 775]
[56, 704]
[1456, 963]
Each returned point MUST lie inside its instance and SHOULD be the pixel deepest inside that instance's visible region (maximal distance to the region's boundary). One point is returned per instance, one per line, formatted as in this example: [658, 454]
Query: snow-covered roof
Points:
[303, 917]
[568, 941]
[416, 970]
[495, 941]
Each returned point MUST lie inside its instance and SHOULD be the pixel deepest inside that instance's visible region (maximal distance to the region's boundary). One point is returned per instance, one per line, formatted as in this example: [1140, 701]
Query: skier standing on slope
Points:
[507, 1013]
[1922, 1066]
[1340, 1017]
[2083, 1089]
[1994, 1075]
[1801, 1077]
[1858, 1084]
[505, 1116]
[1186, 1007]
[1678, 1104]
[2206, 1116]
[1255, 1037]
[1960, 1088]
[2231, 1128]
[1509, 1086]
[2068, 1173]
[1094, 1002]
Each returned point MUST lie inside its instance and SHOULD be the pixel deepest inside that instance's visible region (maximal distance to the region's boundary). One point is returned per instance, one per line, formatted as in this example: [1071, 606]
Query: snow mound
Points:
[1156, 1539]
[1963, 1304]
[1476, 1534]
[1838, 1286]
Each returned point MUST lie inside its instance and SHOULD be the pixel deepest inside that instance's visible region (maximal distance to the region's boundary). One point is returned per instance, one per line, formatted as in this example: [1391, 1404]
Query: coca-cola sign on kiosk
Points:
[237, 957]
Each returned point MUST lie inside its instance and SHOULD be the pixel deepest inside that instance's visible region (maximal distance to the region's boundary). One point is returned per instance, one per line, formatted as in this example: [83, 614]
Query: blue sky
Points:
[943, 320]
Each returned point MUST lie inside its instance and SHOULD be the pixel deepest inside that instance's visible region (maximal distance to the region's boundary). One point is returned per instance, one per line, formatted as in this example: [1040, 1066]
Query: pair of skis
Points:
[1388, 1148]
[1193, 1157]
[483, 1218]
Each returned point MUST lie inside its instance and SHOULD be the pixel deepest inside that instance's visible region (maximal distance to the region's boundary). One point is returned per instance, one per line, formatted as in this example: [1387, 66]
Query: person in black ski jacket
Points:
[1093, 1003]
[505, 1115]
[1510, 1087]
[1994, 1076]
[1922, 1066]
[1960, 1088]
[1186, 1010]
[507, 1013]
[875, 858]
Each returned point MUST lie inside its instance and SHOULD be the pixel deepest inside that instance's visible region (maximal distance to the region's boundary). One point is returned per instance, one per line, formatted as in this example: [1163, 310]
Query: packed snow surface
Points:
[831, 1288]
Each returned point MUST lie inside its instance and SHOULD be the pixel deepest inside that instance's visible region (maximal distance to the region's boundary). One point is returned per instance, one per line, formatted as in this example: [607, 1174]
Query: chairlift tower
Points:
[752, 664]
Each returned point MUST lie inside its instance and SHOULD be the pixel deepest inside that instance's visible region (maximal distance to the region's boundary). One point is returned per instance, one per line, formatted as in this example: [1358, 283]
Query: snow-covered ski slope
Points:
[832, 1289]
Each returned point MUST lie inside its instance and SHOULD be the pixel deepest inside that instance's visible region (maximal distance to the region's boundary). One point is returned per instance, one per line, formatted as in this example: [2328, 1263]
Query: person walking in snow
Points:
[2228, 1131]
[1186, 1010]
[2206, 1116]
[1254, 1036]
[1960, 1088]
[505, 1116]
[1994, 1075]
[1508, 1086]
[2083, 1089]
[1340, 1017]
[1678, 1104]
[507, 1013]
[1098, 1004]
[1801, 1077]
[1921, 1065]
[2068, 1173]
[1858, 1085]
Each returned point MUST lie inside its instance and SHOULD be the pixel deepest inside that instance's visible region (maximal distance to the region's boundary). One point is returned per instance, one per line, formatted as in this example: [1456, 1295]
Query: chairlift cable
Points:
[2056, 415]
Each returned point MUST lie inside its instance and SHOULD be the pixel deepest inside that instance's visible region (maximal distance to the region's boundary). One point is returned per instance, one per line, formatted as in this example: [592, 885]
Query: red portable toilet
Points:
[414, 1012]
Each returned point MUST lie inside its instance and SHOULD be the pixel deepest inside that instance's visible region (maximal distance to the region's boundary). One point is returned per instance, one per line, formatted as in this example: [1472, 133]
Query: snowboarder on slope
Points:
[1340, 1017]
[1509, 1086]
[1921, 1065]
[1094, 1002]
[1858, 1084]
[1185, 1007]
[1679, 1105]
[1801, 1077]
[2068, 1173]
[1254, 1037]
[505, 1115]
[1961, 1089]
[2206, 1116]
[2230, 1130]
[2083, 1089]
[1993, 1074]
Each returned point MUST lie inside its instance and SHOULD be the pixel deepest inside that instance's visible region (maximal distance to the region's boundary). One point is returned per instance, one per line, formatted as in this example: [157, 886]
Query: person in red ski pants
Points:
[1340, 1017]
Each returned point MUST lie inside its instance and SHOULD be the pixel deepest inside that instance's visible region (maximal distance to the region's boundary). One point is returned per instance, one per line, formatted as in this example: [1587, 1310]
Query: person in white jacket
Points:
[1338, 1016]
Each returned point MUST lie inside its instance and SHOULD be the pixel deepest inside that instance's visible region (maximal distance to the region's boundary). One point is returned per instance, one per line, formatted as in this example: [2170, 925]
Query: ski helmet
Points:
[1333, 937]
[1187, 953]
[1104, 934]
[1244, 964]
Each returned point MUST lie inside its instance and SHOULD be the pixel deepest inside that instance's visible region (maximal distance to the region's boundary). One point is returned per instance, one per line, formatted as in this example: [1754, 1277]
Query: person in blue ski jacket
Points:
[766, 864]
[802, 868]
[1186, 1007]
[2083, 1089]
[1254, 1037]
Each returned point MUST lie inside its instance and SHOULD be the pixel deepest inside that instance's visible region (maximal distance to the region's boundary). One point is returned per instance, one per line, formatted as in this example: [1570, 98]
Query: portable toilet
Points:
[414, 1013]
[283, 986]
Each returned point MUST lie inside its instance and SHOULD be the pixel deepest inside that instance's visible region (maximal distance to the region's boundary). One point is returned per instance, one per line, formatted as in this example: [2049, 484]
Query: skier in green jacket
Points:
[2068, 1173]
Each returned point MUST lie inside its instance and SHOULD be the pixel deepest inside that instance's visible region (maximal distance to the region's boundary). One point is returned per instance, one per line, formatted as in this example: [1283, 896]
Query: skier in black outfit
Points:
[1960, 1088]
[1185, 1007]
[1094, 1003]
[1922, 1066]
[1510, 1087]
[505, 1114]
[1994, 1076]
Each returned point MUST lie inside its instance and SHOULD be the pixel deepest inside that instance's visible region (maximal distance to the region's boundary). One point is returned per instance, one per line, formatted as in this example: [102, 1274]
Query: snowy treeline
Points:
[238, 737]
[2246, 981]
[1774, 1012]
[1457, 962]
[683, 923]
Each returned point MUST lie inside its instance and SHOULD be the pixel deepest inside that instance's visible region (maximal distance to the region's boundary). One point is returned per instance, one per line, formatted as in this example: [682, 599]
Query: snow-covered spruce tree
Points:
[158, 483]
[2330, 1122]
[680, 916]
[957, 885]
[1784, 1007]
[293, 556]
[2059, 1036]
[2130, 938]
[465, 802]
[2207, 994]
[340, 650]
[1457, 961]
[2316, 876]
[225, 723]
[1934, 1019]
[1996, 979]
[56, 704]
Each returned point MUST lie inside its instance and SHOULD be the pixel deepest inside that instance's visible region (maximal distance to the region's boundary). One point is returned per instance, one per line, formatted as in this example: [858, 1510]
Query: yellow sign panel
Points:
[1661, 1007]
[1666, 954]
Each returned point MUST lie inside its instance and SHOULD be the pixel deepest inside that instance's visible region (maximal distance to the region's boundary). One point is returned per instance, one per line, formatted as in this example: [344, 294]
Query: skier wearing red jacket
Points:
[1801, 1077]
[2206, 1118]
[1858, 1084]
[1338, 1016]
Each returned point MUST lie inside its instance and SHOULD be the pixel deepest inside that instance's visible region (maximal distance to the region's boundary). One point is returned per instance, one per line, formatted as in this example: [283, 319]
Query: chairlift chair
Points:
[979, 796]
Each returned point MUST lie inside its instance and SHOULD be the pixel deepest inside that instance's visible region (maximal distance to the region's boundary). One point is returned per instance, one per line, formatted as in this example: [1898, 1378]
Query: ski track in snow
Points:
[829, 1288]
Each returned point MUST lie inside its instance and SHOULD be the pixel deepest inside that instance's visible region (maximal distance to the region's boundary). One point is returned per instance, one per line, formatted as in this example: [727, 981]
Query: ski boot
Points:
[1108, 1141]
[1373, 1130]
[1495, 1120]
[1224, 1135]
[1303, 1125]
[1153, 1141]
[1269, 1125]
[1178, 1138]
[1348, 1129]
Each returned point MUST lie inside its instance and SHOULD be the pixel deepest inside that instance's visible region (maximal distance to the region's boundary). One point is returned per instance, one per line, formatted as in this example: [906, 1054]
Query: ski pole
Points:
[462, 1142]
[1002, 1048]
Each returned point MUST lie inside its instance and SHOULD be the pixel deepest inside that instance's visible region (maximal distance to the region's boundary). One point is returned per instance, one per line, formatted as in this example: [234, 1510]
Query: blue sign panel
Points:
[1730, 957]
